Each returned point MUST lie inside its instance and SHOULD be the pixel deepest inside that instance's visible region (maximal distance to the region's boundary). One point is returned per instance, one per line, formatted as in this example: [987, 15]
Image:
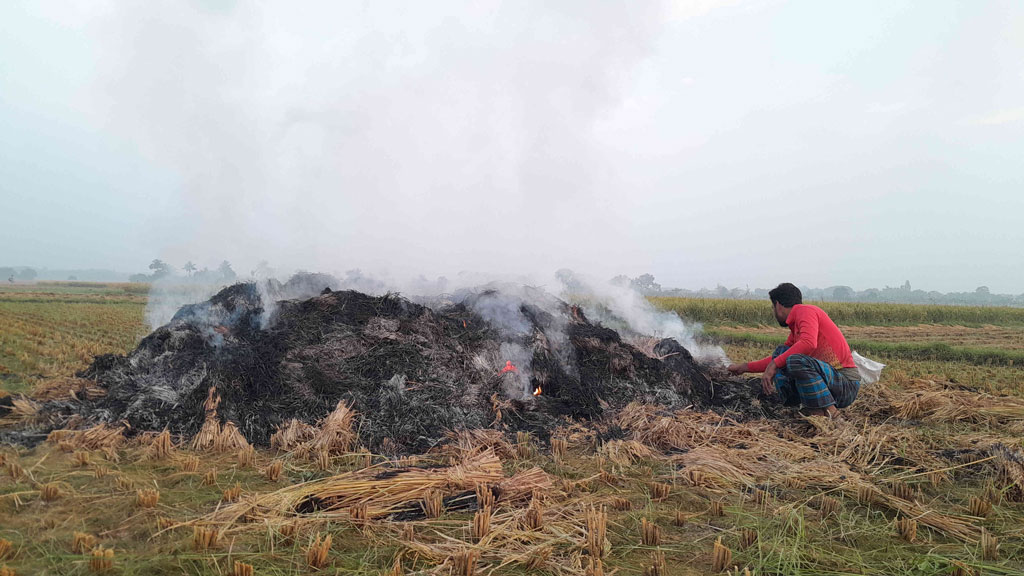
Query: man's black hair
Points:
[786, 294]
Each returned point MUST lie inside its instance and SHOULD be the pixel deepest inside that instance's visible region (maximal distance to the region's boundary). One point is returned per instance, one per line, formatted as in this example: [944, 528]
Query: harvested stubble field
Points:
[924, 477]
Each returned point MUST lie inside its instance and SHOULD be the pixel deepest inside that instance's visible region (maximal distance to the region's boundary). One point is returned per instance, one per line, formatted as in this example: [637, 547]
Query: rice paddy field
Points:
[924, 475]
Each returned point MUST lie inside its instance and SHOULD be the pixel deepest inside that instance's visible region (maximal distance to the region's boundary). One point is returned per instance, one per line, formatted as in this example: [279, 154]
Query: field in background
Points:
[54, 329]
[795, 496]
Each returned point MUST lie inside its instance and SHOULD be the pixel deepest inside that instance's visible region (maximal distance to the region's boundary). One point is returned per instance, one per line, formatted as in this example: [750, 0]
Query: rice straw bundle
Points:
[316, 554]
[464, 562]
[989, 546]
[979, 507]
[907, 528]
[6, 549]
[162, 446]
[95, 438]
[621, 504]
[81, 459]
[748, 537]
[597, 527]
[102, 560]
[657, 565]
[481, 523]
[294, 433]
[659, 490]
[650, 533]
[382, 493]
[534, 519]
[210, 478]
[246, 457]
[433, 504]
[559, 448]
[49, 492]
[81, 543]
[229, 439]
[232, 494]
[273, 472]
[484, 496]
[335, 434]
[204, 538]
[190, 465]
[625, 452]
[721, 556]
[147, 498]
[242, 569]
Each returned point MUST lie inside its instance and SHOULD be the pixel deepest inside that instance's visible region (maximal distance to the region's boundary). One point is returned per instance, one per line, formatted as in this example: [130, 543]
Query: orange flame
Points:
[537, 391]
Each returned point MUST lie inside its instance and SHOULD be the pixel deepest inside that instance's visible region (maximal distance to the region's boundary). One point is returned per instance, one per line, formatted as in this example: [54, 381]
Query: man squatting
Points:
[814, 367]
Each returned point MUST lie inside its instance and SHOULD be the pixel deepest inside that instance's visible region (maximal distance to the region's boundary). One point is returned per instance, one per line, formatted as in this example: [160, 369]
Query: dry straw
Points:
[82, 543]
[204, 537]
[534, 518]
[14, 470]
[717, 508]
[291, 435]
[594, 567]
[650, 533]
[481, 523]
[659, 490]
[49, 492]
[433, 504]
[316, 554]
[657, 565]
[524, 446]
[162, 446]
[484, 496]
[464, 562]
[273, 472]
[980, 507]
[559, 448]
[81, 459]
[748, 537]
[242, 569]
[96, 438]
[359, 514]
[246, 457]
[597, 527]
[721, 556]
[989, 546]
[323, 460]
[907, 528]
[147, 498]
[190, 465]
[828, 506]
[232, 494]
[960, 569]
[902, 490]
[102, 560]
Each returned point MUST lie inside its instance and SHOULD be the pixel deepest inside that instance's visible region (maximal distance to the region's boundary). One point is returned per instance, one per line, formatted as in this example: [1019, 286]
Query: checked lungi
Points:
[813, 383]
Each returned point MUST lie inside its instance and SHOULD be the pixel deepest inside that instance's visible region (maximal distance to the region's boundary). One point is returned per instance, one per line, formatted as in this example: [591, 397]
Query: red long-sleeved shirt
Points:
[813, 333]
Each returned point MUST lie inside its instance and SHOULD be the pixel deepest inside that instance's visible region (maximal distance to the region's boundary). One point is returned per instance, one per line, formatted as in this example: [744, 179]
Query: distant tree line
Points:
[162, 270]
[17, 274]
[903, 294]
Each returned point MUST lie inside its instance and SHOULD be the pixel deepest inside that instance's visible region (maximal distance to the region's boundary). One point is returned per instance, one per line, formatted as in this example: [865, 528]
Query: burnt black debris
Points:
[411, 372]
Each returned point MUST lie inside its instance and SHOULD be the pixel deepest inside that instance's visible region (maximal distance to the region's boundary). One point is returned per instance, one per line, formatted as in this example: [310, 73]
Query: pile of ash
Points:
[411, 372]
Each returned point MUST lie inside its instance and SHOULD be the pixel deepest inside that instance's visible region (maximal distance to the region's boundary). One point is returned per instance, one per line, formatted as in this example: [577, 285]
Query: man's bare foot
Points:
[831, 412]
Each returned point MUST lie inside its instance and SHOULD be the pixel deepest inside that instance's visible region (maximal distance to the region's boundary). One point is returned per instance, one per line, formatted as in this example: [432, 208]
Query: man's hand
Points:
[737, 368]
[768, 379]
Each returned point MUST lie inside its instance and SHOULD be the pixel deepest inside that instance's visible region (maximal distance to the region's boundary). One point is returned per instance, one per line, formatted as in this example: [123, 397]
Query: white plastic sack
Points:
[870, 371]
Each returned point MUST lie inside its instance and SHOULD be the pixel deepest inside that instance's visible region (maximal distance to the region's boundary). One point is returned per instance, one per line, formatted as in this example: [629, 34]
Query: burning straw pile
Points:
[521, 361]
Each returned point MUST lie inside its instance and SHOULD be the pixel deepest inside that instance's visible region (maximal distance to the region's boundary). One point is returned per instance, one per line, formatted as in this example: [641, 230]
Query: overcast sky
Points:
[741, 143]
